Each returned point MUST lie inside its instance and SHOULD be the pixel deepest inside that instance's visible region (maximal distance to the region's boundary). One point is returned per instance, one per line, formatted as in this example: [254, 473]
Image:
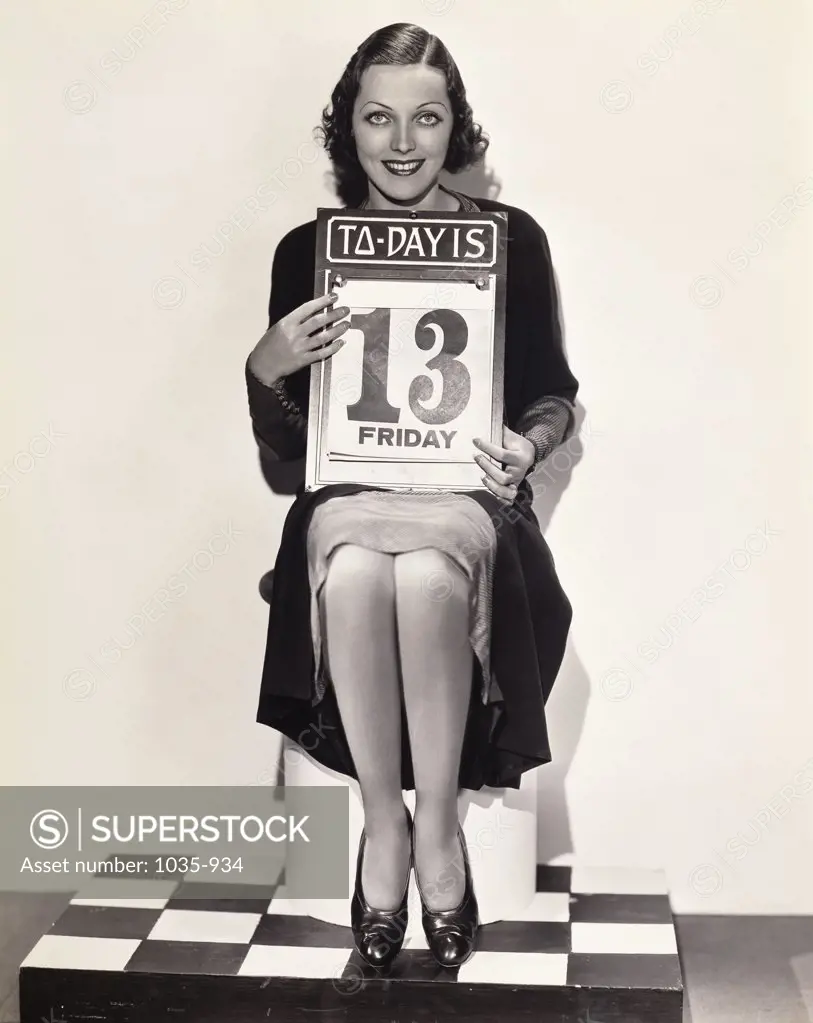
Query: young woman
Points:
[413, 638]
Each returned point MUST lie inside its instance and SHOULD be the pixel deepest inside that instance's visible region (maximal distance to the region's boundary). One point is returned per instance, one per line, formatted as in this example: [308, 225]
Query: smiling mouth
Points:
[403, 168]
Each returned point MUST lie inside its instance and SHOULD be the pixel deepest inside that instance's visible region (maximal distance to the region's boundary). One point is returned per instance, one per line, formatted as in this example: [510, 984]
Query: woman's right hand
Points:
[287, 345]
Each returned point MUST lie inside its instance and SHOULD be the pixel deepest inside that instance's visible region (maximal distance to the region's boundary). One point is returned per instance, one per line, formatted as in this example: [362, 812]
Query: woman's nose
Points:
[402, 141]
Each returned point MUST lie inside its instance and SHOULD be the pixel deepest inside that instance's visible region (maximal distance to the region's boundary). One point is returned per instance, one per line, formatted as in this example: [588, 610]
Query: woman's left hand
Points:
[516, 456]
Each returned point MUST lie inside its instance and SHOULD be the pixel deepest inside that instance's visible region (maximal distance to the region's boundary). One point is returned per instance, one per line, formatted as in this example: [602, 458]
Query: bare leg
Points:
[432, 609]
[358, 622]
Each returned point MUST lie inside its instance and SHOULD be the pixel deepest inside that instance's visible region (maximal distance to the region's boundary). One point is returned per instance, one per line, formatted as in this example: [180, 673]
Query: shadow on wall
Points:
[567, 706]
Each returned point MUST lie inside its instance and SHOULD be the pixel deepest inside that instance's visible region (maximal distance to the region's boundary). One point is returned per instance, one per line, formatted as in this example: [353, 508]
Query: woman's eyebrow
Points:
[426, 104]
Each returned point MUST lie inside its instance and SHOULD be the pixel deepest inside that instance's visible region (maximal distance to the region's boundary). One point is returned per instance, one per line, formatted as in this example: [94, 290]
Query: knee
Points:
[355, 572]
[430, 575]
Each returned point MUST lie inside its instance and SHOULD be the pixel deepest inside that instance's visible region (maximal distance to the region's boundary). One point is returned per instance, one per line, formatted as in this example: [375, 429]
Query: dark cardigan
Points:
[530, 612]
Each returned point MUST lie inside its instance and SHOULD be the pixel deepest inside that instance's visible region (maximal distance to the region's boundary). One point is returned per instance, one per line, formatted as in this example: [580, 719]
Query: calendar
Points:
[421, 371]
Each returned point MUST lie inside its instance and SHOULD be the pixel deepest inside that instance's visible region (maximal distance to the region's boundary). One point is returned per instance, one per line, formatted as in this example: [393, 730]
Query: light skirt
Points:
[394, 522]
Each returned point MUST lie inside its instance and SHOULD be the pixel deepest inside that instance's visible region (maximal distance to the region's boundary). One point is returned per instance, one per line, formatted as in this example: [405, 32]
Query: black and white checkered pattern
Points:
[603, 930]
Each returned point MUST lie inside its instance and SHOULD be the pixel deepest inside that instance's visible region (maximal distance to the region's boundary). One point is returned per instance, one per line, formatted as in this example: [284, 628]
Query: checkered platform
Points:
[586, 928]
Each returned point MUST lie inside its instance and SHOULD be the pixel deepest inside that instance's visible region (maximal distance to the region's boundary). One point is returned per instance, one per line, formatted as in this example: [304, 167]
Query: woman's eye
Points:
[427, 118]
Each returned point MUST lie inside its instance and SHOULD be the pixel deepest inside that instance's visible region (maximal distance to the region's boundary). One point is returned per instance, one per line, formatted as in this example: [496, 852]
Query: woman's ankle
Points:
[437, 820]
[384, 819]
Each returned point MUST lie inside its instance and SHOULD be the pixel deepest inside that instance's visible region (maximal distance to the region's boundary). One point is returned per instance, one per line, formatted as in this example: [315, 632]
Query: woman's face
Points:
[402, 120]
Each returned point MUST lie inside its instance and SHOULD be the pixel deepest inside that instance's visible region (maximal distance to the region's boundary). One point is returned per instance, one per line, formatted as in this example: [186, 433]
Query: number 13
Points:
[373, 404]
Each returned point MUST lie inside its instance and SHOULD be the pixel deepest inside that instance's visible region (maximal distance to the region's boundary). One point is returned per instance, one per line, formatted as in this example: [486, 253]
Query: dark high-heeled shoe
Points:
[452, 933]
[379, 934]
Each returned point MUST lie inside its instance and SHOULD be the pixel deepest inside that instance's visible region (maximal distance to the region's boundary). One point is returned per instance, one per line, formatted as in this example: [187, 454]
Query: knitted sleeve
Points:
[547, 422]
[279, 422]
[279, 426]
[542, 395]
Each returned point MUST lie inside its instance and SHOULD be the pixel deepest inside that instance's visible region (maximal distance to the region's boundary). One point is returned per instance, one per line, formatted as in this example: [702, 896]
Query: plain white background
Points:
[157, 154]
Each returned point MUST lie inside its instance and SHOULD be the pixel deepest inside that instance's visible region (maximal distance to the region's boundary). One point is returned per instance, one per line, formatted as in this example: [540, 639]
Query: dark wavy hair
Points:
[401, 43]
